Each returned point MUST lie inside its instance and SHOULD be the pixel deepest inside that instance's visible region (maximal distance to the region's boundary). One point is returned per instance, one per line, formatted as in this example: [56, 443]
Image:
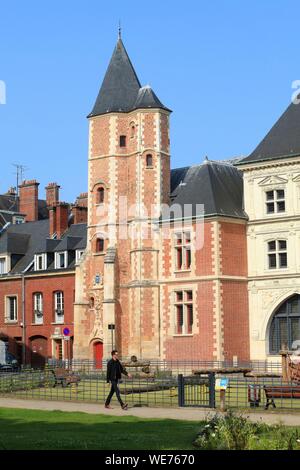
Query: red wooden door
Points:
[98, 354]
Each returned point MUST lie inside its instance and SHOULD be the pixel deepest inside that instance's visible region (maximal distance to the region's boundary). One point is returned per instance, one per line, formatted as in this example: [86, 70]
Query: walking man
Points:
[114, 371]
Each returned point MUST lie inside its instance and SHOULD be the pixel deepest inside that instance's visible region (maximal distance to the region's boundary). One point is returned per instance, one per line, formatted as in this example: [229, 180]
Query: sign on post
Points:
[222, 384]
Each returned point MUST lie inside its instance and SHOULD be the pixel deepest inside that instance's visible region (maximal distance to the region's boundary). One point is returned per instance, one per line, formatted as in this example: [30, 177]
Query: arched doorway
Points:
[98, 354]
[38, 349]
[285, 325]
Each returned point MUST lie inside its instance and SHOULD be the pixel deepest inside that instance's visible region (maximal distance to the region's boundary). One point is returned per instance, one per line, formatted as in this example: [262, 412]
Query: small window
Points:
[79, 254]
[100, 196]
[61, 260]
[123, 141]
[277, 254]
[40, 262]
[275, 201]
[11, 309]
[149, 161]
[3, 268]
[132, 130]
[100, 245]
[92, 302]
[183, 257]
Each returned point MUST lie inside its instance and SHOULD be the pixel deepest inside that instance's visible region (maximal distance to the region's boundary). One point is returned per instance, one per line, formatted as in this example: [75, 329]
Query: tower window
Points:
[123, 141]
[100, 196]
[149, 161]
[100, 245]
[132, 130]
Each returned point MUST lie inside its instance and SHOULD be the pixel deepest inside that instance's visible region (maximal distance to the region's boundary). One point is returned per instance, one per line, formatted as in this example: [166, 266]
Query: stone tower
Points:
[117, 281]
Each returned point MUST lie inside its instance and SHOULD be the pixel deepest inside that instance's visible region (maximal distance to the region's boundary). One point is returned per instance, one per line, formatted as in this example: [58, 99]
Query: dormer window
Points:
[40, 262]
[100, 195]
[122, 140]
[79, 254]
[149, 161]
[61, 260]
[3, 266]
[19, 220]
[275, 201]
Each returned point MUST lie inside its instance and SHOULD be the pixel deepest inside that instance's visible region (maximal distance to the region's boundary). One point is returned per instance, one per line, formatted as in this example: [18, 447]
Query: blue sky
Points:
[224, 67]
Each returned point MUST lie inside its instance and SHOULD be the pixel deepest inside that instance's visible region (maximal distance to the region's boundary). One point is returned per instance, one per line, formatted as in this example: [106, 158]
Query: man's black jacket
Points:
[114, 370]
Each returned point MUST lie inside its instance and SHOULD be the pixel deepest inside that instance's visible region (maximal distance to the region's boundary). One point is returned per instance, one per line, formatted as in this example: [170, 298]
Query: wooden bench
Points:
[65, 377]
[280, 391]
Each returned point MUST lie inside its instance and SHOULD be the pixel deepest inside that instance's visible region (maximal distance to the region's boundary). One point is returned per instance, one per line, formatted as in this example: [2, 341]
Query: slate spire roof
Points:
[282, 141]
[121, 90]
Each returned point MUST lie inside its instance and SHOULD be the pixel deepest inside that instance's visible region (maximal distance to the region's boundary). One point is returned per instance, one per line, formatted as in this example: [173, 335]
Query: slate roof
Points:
[121, 90]
[216, 185]
[282, 141]
[9, 207]
[33, 238]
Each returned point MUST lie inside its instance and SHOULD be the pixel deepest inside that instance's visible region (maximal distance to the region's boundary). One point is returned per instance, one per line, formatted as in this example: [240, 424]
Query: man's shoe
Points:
[109, 407]
[125, 407]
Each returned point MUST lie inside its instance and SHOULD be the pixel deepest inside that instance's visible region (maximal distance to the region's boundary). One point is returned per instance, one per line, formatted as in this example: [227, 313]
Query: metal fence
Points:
[174, 367]
[164, 384]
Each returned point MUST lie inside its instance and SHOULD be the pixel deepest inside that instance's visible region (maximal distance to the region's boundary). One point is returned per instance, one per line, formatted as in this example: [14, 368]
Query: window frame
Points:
[275, 325]
[275, 201]
[149, 156]
[78, 255]
[5, 270]
[186, 305]
[57, 258]
[59, 306]
[100, 195]
[38, 319]
[183, 250]
[123, 141]
[276, 254]
[37, 258]
[8, 308]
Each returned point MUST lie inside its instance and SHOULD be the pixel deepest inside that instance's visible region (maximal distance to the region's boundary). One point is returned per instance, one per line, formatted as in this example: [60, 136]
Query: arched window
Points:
[285, 326]
[100, 195]
[92, 302]
[99, 245]
[149, 161]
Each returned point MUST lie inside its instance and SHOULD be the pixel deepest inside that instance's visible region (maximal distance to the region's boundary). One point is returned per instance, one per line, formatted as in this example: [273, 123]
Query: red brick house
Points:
[37, 280]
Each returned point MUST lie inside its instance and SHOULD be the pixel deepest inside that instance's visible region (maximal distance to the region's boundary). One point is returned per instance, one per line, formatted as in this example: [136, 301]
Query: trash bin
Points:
[254, 395]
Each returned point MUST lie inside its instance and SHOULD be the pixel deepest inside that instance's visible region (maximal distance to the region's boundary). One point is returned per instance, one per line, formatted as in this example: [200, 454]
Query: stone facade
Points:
[268, 289]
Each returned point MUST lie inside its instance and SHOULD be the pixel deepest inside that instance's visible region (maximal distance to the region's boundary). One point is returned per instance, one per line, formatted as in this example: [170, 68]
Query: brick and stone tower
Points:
[117, 288]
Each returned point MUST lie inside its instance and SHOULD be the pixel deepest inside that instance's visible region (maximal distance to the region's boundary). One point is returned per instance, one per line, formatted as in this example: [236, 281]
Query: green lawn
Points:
[56, 430]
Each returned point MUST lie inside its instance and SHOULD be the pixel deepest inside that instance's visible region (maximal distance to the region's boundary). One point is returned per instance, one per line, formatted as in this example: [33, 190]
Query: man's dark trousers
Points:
[114, 389]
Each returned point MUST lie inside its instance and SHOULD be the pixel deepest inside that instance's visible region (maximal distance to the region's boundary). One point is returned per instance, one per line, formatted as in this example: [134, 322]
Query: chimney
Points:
[52, 221]
[52, 194]
[12, 191]
[28, 197]
[79, 214]
[62, 218]
[82, 200]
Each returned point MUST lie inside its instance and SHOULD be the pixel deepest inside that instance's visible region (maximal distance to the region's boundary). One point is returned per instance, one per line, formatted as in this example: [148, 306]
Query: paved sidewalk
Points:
[192, 414]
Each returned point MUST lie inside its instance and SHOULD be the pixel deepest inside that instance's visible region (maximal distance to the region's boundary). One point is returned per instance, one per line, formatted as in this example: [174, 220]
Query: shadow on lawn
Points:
[39, 430]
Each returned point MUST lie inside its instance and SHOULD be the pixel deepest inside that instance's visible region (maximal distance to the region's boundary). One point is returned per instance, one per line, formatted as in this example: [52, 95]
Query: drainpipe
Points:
[23, 321]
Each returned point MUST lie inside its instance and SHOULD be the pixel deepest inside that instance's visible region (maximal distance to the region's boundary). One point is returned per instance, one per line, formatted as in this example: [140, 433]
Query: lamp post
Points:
[111, 327]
